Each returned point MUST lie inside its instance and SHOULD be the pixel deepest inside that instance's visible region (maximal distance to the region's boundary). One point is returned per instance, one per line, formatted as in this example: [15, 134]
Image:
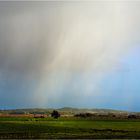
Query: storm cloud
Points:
[51, 52]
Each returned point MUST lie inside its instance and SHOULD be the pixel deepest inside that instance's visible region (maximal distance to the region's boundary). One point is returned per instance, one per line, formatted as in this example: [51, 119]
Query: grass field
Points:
[67, 128]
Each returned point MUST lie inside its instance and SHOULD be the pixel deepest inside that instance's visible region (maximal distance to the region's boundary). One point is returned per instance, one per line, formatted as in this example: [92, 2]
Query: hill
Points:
[65, 110]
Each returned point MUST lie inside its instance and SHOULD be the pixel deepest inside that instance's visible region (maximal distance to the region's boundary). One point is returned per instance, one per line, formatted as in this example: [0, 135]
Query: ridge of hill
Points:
[64, 110]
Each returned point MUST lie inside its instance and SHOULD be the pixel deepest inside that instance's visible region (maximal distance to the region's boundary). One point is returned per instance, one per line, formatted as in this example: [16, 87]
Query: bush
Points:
[55, 114]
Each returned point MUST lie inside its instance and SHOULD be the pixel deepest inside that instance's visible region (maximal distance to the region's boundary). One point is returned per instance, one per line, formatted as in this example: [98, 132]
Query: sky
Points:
[70, 54]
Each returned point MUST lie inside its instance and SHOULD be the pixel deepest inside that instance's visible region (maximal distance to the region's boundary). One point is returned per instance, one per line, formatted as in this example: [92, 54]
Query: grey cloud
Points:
[41, 40]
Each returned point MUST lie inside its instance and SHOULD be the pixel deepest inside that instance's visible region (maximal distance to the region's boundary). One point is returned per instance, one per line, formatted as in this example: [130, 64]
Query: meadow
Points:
[70, 127]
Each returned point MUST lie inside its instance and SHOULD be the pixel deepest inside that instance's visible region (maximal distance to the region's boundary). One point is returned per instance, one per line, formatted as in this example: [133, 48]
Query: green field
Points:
[67, 128]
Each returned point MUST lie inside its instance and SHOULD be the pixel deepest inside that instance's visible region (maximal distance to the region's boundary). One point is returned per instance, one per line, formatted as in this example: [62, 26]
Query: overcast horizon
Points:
[74, 54]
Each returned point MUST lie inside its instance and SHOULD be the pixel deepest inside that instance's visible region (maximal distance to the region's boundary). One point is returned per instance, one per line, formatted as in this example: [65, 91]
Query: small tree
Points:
[55, 114]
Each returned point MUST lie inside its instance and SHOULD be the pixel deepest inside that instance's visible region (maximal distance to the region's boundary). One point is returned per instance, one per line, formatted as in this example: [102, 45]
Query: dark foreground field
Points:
[68, 128]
